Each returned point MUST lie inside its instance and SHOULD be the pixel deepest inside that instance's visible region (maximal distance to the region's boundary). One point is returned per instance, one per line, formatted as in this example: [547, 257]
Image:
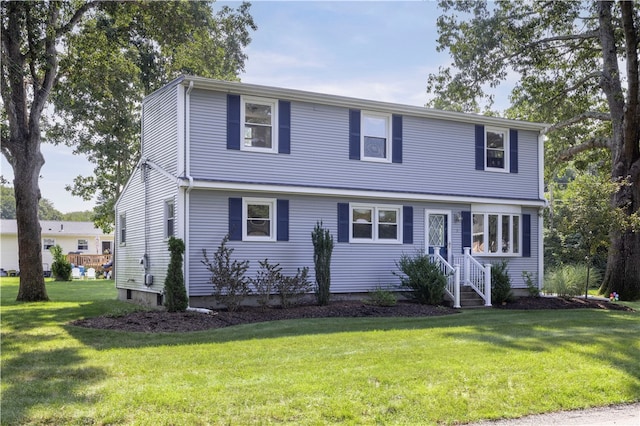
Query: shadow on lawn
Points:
[608, 338]
[45, 378]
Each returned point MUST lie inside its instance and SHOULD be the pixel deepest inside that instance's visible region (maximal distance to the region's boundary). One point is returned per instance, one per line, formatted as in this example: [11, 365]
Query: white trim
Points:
[387, 118]
[273, 216]
[499, 232]
[167, 202]
[540, 249]
[492, 208]
[375, 208]
[273, 103]
[356, 193]
[427, 213]
[506, 147]
[348, 102]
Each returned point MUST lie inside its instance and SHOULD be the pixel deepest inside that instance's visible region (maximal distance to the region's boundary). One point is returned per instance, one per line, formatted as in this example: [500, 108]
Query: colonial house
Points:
[265, 164]
[76, 238]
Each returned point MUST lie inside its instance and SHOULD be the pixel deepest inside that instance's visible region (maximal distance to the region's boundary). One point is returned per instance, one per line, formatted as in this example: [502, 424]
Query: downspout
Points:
[187, 170]
[541, 137]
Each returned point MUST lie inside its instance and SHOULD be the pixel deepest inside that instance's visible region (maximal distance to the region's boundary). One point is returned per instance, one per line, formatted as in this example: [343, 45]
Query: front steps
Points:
[469, 298]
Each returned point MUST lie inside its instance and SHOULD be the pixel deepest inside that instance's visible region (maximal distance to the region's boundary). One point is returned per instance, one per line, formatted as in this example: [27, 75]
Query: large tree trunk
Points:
[623, 263]
[27, 170]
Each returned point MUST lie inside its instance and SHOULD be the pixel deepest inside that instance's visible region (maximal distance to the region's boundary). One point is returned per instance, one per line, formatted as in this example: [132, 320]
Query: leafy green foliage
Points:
[265, 281]
[230, 286]
[126, 51]
[291, 288]
[46, 210]
[570, 280]
[422, 278]
[532, 287]
[381, 296]
[566, 57]
[500, 283]
[322, 250]
[176, 299]
[60, 268]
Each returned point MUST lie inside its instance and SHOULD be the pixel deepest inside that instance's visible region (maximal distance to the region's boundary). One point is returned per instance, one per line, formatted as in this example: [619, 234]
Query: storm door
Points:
[437, 232]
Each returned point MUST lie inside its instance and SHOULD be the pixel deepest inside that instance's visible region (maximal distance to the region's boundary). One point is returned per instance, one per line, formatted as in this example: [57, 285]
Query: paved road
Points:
[616, 415]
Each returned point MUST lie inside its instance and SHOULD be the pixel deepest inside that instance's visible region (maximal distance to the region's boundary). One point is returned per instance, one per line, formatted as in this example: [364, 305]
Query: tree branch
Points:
[63, 29]
[571, 152]
[588, 115]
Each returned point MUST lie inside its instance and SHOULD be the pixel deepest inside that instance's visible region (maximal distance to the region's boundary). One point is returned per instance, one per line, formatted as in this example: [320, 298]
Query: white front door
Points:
[437, 232]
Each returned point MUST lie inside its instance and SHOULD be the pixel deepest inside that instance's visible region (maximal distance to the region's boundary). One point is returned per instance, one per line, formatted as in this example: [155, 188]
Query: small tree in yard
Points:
[60, 268]
[175, 292]
[322, 249]
[230, 286]
[423, 278]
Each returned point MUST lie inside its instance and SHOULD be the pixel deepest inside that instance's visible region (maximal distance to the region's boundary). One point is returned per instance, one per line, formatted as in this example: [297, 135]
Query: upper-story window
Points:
[375, 223]
[496, 149]
[376, 140]
[259, 116]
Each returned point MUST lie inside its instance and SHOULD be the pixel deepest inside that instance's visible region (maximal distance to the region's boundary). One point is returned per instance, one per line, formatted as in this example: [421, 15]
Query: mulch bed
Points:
[162, 321]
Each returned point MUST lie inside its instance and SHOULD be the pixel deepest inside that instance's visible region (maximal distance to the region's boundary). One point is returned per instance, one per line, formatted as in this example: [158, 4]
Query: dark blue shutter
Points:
[526, 235]
[235, 219]
[466, 229]
[513, 151]
[233, 121]
[354, 134]
[396, 139]
[283, 220]
[284, 127]
[343, 222]
[479, 147]
[407, 224]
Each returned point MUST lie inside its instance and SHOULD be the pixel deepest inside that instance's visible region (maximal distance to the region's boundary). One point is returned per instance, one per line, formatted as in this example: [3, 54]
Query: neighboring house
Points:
[265, 164]
[73, 237]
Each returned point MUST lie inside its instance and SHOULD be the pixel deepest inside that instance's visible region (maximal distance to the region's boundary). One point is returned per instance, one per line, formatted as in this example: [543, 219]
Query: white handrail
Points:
[476, 275]
[452, 274]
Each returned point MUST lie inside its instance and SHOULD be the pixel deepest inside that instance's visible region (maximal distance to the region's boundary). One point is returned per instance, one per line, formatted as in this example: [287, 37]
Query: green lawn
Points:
[481, 364]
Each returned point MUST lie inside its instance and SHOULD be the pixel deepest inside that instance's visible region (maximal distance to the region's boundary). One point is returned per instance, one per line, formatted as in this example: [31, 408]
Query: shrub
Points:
[265, 281]
[422, 277]
[382, 297]
[322, 249]
[532, 287]
[61, 267]
[175, 292]
[230, 287]
[500, 283]
[290, 289]
[569, 280]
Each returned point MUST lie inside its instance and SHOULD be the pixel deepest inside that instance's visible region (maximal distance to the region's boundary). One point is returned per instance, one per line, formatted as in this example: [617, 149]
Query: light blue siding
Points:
[438, 155]
[160, 128]
[355, 267]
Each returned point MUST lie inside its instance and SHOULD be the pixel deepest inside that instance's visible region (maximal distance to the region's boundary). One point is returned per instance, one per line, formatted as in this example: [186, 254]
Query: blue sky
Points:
[380, 50]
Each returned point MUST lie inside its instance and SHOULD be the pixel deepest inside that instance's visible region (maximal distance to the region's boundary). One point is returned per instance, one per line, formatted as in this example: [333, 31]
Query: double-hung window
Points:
[170, 218]
[123, 229]
[258, 216]
[496, 232]
[371, 223]
[259, 118]
[496, 149]
[83, 244]
[376, 137]
[47, 243]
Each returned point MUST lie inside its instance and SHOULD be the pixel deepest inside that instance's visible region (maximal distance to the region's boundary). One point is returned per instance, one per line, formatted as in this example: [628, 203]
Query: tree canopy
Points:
[576, 66]
[94, 61]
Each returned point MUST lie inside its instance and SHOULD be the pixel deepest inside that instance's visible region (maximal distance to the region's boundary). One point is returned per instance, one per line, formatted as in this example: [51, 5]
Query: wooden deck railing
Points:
[94, 261]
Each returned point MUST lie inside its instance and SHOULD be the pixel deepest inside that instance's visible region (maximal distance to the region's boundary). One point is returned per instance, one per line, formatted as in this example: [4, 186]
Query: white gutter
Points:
[357, 193]
[348, 102]
[163, 172]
